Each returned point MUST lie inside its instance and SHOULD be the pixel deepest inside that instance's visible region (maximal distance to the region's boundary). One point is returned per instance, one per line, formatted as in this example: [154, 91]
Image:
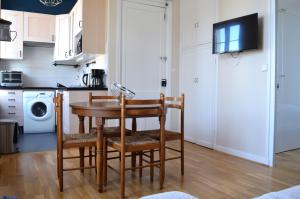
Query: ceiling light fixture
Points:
[51, 3]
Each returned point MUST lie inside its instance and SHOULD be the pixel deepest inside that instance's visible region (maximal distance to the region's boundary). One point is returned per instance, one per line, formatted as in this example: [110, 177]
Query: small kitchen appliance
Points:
[97, 78]
[11, 78]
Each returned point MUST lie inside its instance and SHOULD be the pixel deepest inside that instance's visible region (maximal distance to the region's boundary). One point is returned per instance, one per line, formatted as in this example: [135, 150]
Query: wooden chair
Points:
[68, 141]
[107, 131]
[137, 143]
[172, 103]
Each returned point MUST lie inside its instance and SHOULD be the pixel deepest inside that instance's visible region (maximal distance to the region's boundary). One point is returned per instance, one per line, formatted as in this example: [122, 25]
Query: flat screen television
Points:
[236, 35]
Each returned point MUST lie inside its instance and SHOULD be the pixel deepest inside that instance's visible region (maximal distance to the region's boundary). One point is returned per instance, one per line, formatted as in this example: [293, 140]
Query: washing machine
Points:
[39, 112]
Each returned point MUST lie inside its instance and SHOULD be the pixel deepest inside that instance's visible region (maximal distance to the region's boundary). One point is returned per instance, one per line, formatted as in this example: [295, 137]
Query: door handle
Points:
[164, 59]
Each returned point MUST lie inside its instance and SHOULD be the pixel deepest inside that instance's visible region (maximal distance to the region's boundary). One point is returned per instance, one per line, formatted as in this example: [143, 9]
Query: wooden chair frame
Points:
[129, 110]
[173, 103]
[61, 145]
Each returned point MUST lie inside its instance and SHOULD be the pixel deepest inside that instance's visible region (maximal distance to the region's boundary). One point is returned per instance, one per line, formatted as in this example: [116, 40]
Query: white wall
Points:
[38, 68]
[242, 108]
[39, 71]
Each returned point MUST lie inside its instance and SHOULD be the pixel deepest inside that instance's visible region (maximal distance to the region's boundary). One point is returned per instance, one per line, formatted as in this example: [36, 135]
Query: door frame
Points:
[272, 80]
[169, 37]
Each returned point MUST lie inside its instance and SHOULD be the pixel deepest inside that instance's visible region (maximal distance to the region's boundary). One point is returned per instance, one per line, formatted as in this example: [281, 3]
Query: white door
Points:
[143, 51]
[198, 82]
[287, 135]
[14, 49]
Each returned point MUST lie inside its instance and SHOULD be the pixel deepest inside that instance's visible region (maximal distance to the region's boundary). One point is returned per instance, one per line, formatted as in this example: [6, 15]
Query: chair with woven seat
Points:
[137, 143]
[69, 141]
[108, 132]
[172, 103]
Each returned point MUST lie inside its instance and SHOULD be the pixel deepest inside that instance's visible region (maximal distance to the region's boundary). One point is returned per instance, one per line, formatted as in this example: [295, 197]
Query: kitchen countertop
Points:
[55, 88]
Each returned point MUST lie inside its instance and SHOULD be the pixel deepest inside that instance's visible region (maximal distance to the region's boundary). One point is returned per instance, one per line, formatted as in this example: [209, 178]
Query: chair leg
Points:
[57, 163]
[60, 172]
[122, 173]
[162, 168]
[151, 167]
[81, 154]
[182, 156]
[141, 164]
[133, 161]
[95, 148]
[105, 163]
[90, 156]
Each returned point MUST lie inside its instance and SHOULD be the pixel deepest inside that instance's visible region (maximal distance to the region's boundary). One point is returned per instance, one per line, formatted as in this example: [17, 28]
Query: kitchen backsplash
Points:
[37, 67]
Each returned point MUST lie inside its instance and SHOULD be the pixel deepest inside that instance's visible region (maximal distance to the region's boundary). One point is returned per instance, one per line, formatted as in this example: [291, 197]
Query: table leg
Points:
[81, 150]
[99, 155]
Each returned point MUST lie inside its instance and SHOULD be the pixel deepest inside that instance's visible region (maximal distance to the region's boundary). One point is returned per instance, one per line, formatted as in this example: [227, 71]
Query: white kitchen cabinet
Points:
[62, 41]
[198, 83]
[197, 19]
[77, 17]
[71, 121]
[87, 31]
[11, 105]
[39, 27]
[13, 49]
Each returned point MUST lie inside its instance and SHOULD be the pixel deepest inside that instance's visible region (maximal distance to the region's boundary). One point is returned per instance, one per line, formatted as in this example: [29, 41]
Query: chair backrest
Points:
[58, 100]
[142, 108]
[100, 97]
[96, 98]
[177, 103]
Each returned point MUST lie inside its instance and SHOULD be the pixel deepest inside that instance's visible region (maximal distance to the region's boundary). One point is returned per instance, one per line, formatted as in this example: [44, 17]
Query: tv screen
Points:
[236, 35]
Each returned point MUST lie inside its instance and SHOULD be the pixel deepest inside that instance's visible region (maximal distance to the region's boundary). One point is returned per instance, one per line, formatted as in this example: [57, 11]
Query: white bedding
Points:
[170, 195]
[291, 193]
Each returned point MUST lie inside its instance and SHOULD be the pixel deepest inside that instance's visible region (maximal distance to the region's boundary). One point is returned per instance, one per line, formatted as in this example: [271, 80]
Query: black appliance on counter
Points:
[97, 78]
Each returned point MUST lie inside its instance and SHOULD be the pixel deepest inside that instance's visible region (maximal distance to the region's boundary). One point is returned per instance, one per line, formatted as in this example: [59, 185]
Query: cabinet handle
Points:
[12, 100]
[80, 24]
[11, 106]
[70, 52]
[20, 53]
[11, 113]
[53, 37]
[11, 93]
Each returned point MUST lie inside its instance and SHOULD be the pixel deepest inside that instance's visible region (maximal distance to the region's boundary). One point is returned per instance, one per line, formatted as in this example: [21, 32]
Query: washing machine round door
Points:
[40, 110]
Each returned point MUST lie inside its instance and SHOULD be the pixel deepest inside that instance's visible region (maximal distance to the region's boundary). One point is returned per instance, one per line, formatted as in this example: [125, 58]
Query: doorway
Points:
[287, 125]
[145, 61]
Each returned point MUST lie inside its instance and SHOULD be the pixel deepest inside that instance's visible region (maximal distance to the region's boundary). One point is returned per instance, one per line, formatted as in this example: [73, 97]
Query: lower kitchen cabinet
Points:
[71, 121]
[11, 105]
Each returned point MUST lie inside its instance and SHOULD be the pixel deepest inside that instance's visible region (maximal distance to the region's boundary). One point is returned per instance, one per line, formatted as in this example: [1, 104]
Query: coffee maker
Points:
[97, 78]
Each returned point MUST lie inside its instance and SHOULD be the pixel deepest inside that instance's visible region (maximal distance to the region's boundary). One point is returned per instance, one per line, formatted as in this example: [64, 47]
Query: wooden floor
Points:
[209, 175]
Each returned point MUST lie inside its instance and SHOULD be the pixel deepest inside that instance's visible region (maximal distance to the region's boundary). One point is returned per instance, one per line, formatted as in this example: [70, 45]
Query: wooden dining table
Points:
[101, 110]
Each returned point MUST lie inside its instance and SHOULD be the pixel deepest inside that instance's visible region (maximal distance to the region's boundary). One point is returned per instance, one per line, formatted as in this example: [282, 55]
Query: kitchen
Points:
[49, 53]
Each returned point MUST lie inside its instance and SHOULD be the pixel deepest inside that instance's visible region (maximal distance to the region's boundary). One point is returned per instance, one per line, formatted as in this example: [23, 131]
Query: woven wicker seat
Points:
[85, 139]
[155, 134]
[133, 142]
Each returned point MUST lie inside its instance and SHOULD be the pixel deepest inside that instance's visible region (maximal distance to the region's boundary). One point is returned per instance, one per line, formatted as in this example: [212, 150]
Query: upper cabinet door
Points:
[39, 27]
[197, 19]
[62, 40]
[14, 49]
[77, 20]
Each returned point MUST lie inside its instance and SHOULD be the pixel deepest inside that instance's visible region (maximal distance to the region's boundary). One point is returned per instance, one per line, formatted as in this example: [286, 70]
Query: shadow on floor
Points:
[37, 142]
